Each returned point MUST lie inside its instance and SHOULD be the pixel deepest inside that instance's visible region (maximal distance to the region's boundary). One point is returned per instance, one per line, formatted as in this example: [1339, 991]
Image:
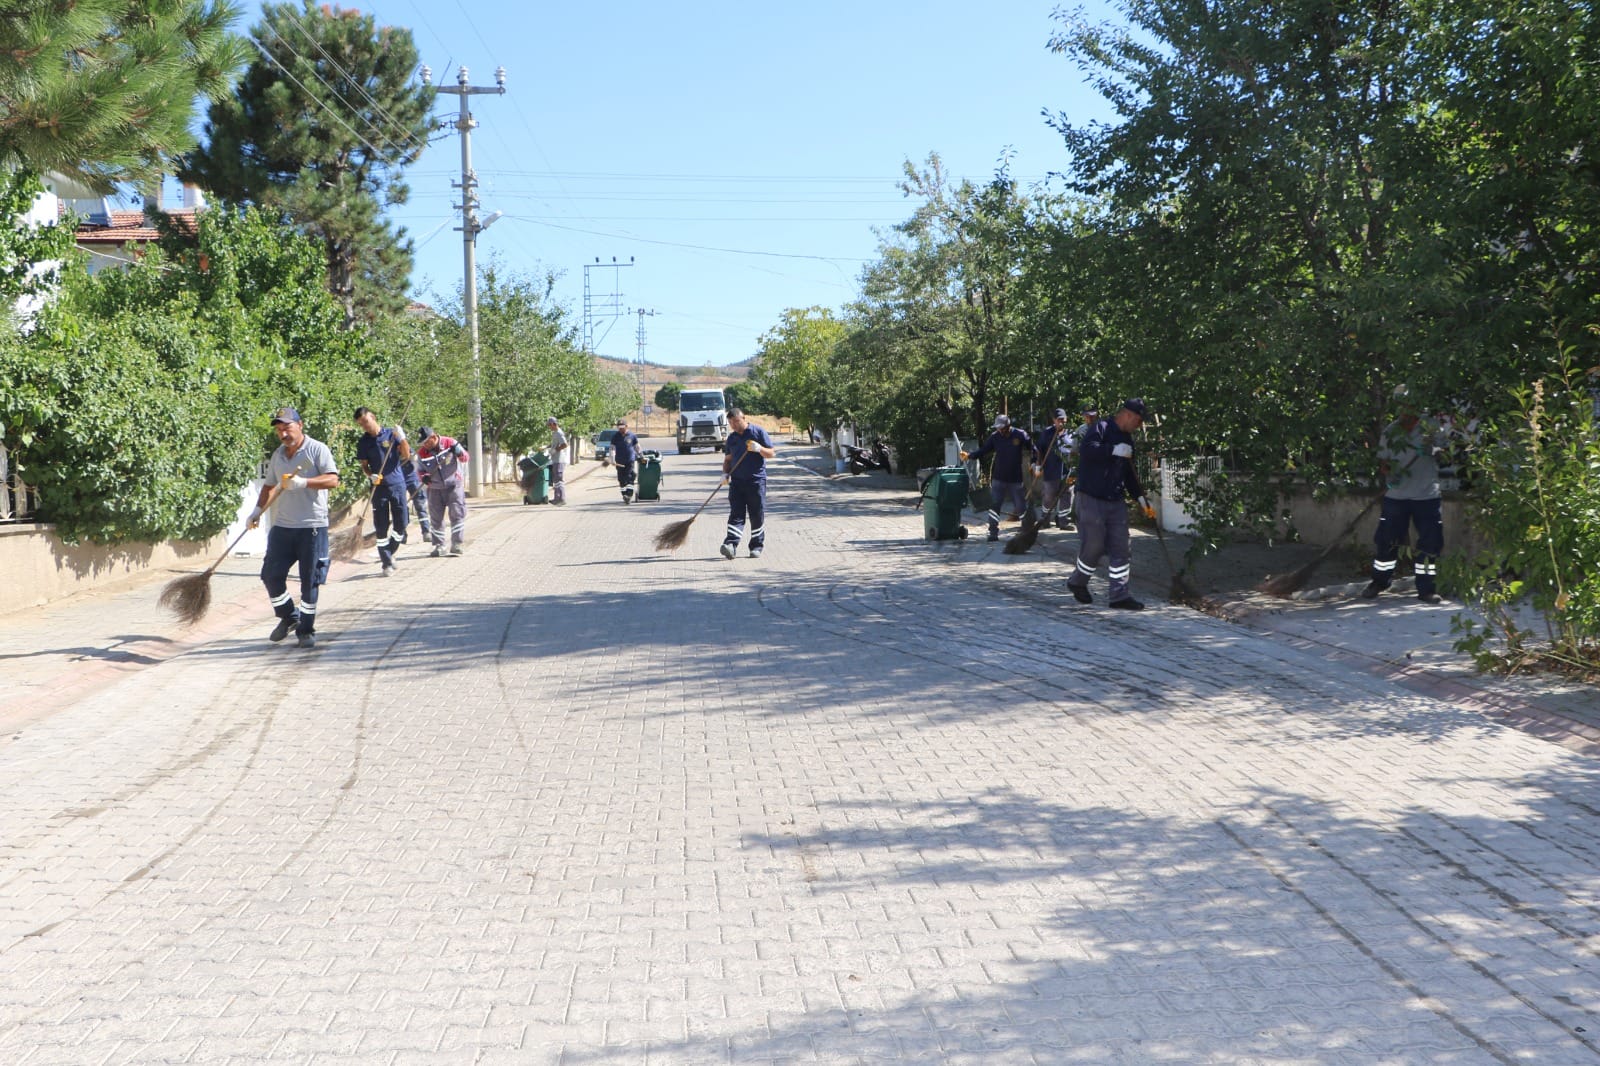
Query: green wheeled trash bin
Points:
[650, 475]
[535, 477]
[944, 495]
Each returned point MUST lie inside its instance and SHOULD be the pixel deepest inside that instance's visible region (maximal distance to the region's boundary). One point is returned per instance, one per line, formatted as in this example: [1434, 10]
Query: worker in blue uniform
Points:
[1010, 446]
[625, 454]
[381, 451]
[746, 452]
[1050, 454]
[1106, 478]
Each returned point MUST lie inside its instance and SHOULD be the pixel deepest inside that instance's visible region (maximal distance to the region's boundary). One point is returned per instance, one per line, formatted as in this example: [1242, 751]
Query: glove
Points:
[1123, 451]
[752, 446]
[292, 482]
[255, 518]
[376, 479]
[963, 456]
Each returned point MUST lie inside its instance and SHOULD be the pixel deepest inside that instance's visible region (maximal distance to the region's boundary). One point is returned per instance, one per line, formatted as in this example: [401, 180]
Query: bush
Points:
[1539, 507]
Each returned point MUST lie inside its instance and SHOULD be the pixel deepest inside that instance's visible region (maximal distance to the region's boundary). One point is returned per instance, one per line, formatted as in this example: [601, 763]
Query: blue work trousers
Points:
[286, 548]
[747, 499]
[1394, 527]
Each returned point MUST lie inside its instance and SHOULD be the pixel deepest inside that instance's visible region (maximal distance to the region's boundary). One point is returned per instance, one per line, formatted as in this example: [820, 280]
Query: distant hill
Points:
[657, 374]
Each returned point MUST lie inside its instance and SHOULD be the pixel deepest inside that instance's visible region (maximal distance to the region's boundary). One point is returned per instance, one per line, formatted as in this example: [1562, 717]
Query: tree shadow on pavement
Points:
[1278, 929]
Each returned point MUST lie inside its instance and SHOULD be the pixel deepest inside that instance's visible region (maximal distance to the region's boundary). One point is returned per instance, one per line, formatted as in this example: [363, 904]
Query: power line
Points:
[697, 247]
[310, 95]
[409, 138]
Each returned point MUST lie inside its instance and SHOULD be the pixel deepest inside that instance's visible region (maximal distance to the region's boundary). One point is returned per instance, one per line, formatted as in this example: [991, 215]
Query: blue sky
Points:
[742, 155]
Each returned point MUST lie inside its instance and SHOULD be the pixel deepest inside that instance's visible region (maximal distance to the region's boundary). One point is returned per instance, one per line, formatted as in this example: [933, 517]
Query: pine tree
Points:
[320, 129]
[104, 90]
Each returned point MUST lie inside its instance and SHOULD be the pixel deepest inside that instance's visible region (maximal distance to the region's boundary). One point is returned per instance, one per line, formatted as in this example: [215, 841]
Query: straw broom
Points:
[189, 597]
[671, 537]
[1284, 586]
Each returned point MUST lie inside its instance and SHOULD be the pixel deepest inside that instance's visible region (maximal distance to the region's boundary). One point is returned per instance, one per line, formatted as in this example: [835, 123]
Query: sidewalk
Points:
[1394, 638]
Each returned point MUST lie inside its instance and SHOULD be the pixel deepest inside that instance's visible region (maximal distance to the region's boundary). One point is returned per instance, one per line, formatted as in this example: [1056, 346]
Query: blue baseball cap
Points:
[285, 414]
[1135, 405]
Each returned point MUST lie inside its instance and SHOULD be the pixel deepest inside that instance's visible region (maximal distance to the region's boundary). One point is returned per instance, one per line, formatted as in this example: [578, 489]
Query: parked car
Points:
[602, 443]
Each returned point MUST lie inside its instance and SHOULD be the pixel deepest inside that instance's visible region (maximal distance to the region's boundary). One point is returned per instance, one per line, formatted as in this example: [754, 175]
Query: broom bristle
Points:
[671, 537]
[1183, 592]
[1284, 585]
[188, 597]
[348, 545]
[1024, 537]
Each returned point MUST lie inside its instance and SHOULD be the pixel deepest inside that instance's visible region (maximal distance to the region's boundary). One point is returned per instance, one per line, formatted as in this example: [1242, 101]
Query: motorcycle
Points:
[864, 459]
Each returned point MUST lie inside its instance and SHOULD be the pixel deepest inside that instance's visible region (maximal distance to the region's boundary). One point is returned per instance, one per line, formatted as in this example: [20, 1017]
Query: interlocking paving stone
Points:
[866, 799]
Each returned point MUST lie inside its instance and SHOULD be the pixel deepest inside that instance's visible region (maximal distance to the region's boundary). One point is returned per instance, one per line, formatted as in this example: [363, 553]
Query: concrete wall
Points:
[1321, 522]
[38, 567]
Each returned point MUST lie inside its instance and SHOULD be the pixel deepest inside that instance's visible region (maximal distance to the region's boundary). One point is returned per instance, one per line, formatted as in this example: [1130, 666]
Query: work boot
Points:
[1429, 597]
[388, 570]
[281, 630]
[729, 550]
[1129, 604]
[457, 550]
[1080, 593]
[437, 553]
[307, 640]
[755, 553]
[1372, 589]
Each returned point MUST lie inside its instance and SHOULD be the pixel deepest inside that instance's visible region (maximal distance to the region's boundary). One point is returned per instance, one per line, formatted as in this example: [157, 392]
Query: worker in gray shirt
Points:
[1408, 461]
[302, 470]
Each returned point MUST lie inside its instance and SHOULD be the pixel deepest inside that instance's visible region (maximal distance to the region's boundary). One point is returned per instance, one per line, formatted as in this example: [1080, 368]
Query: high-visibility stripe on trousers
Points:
[747, 499]
[451, 497]
[389, 518]
[1103, 533]
[1394, 522]
[303, 548]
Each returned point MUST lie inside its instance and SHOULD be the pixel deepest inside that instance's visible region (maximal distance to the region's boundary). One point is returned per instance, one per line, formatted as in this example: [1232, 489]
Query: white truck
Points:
[702, 419]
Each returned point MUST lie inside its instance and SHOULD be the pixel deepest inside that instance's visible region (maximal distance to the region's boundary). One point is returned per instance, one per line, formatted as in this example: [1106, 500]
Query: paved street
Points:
[866, 799]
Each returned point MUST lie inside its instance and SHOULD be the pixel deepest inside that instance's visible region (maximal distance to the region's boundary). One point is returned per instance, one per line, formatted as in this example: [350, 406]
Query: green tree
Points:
[530, 363]
[138, 405]
[667, 395]
[792, 363]
[104, 90]
[320, 129]
[935, 339]
[748, 396]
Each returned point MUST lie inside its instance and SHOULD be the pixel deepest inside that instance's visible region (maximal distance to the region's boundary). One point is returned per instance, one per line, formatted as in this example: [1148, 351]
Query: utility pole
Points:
[644, 401]
[470, 227]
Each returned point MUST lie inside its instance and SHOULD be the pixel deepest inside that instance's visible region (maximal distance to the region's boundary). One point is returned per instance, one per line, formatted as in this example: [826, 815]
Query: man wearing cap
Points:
[439, 460]
[1009, 445]
[558, 462]
[1106, 478]
[625, 453]
[1050, 466]
[302, 471]
[381, 451]
[1408, 459]
[744, 464]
